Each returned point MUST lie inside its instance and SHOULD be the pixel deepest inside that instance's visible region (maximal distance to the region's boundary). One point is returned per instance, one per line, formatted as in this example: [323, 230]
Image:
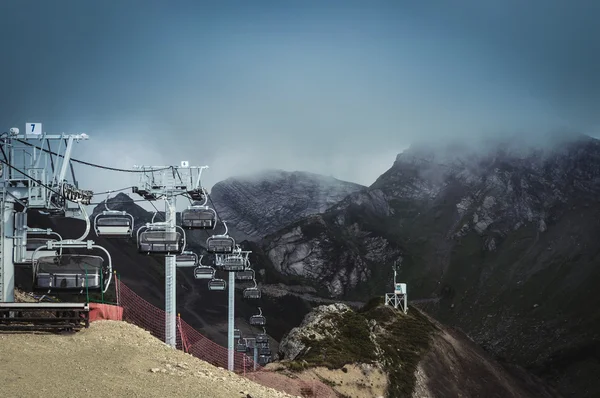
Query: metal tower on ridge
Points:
[168, 182]
[399, 297]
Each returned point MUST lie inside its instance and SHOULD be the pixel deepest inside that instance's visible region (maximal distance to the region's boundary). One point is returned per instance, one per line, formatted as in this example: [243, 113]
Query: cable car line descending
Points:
[36, 177]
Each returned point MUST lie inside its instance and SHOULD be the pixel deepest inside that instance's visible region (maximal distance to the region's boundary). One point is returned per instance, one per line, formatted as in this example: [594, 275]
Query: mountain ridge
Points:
[502, 243]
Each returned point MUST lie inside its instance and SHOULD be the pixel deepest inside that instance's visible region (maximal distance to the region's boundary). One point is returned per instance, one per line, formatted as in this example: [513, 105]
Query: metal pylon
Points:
[230, 321]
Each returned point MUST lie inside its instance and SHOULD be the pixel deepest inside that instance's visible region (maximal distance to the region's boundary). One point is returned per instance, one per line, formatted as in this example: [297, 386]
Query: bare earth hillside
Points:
[112, 359]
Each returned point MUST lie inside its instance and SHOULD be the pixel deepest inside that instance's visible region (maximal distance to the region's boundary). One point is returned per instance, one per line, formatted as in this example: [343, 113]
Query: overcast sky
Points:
[333, 87]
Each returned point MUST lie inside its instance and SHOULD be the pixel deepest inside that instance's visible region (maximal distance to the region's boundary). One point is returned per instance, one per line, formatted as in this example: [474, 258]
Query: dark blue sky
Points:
[334, 87]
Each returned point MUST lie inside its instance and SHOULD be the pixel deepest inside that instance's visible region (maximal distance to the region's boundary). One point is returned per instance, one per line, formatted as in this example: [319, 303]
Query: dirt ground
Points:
[112, 359]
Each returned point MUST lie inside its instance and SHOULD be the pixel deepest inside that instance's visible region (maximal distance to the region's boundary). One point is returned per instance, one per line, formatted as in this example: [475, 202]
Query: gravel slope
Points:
[112, 359]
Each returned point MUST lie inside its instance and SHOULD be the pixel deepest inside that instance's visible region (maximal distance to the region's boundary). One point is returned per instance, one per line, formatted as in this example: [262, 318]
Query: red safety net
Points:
[141, 313]
[105, 311]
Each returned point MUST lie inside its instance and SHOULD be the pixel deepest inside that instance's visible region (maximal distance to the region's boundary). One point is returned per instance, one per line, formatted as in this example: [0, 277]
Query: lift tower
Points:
[169, 182]
[399, 297]
[31, 177]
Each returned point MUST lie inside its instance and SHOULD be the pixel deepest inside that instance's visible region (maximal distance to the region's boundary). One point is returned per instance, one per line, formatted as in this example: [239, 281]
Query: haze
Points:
[332, 87]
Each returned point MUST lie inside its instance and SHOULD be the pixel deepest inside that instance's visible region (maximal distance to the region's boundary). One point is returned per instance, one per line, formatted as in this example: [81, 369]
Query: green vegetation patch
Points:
[347, 342]
[404, 339]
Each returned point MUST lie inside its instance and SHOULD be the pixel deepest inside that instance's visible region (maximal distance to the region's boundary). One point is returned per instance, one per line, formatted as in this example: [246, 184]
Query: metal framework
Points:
[113, 223]
[399, 297]
[32, 177]
[36, 180]
[235, 261]
[75, 280]
[167, 183]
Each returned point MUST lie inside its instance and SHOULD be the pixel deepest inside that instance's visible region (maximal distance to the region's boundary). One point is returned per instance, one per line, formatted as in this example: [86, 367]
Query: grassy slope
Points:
[402, 339]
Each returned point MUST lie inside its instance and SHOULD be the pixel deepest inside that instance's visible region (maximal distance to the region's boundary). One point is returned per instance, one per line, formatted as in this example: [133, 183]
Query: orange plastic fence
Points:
[134, 309]
[138, 311]
[105, 311]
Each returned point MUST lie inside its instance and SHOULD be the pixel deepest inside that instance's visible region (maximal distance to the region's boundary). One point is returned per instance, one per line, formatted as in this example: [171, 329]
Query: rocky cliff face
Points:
[260, 204]
[502, 242]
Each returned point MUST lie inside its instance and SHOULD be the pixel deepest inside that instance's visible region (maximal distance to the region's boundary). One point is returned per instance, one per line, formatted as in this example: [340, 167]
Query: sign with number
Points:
[185, 163]
[33, 128]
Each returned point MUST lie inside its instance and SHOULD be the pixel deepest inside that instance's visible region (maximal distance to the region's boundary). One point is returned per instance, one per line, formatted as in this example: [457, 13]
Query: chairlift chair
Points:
[113, 223]
[237, 334]
[72, 273]
[233, 262]
[264, 351]
[252, 293]
[262, 337]
[259, 319]
[68, 273]
[245, 275]
[220, 244]
[262, 345]
[203, 271]
[241, 346]
[216, 284]
[186, 259]
[199, 216]
[153, 238]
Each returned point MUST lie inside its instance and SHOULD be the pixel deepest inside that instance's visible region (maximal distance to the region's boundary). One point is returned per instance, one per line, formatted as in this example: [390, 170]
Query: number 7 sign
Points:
[33, 128]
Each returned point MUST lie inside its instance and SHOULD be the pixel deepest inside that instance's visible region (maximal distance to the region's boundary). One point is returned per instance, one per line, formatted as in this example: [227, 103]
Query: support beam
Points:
[170, 280]
[7, 266]
[230, 321]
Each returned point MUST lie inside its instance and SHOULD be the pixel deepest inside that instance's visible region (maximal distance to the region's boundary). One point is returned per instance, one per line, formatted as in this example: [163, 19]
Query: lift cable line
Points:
[92, 164]
[70, 200]
[35, 177]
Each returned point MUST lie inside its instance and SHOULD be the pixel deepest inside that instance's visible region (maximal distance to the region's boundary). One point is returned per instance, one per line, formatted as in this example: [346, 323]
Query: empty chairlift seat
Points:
[258, 320]
[245, 275]
[160, 242]
[204, 272]
[237, 334]
[233, 263]
[68, 273]
[113, 224]
[262, 338]
[241, 346]
[252, 293]
[220, 244]
[186, 259]
[198, 217]
[217, 284]
[264, 351]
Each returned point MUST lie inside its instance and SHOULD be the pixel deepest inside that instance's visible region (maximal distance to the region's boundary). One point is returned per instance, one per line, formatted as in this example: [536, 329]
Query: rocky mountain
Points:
[500, 241]
[417, 356]
[258, 204]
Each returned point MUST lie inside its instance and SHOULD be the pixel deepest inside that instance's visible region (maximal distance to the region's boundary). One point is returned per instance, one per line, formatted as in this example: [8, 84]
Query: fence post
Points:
[117, 288]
